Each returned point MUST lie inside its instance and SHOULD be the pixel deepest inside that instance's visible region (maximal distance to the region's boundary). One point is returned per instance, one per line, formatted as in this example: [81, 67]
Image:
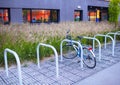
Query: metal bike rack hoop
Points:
[118, 32]
[113, 43]
[115, 34]
[94, 45]
[55, 52]
[17, 60]
[66, 40]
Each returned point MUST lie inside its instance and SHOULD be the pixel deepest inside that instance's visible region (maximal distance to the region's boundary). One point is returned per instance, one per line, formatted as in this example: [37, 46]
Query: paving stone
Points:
[61, 71]
[36, 83]
[74, 71]
[73, 77]
[4, 75]
[74, 65]
[67, 62]
[52, 68]
[45, 70]
[98, 68]
[14, 83]
[0, 78]
[47, 81]
[2, 82]
[55, 83]
[61, 65]
[29, 81]
[27, 69]
[46, 65]
[25, 76]
[14, 70]
[32, 65]
[67, 68]
[9, 81]
[51, 63]
[62, 80]
[50, 73]
[70, 71]
[103, 66]
[33, 73]
[83, 74]
[43, 79]
[90, 71]
[40, 77]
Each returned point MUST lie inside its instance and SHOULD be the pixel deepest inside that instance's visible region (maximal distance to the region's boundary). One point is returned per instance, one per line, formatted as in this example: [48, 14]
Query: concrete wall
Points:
[66, 7]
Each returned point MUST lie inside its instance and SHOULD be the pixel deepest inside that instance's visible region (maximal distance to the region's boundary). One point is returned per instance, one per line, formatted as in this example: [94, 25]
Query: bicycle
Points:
[72, 50]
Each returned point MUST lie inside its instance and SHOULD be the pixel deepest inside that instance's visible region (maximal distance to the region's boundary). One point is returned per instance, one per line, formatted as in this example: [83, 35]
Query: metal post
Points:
[66, 40]
[17, 60]
[113, 43]
[55, 52]
[115, 34]
[94, 45]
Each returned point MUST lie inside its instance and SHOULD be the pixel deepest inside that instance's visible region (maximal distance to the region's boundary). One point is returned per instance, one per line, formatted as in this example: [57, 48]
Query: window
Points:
[92, 15]
[26, 16]
[104, 15]
[77, 15]
[38, 16]
[4, 16]
[54, 15]
[97, 13]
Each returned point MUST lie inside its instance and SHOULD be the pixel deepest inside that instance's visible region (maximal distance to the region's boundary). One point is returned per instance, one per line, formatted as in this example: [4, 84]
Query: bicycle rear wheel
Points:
[88, 58]
[69, 52]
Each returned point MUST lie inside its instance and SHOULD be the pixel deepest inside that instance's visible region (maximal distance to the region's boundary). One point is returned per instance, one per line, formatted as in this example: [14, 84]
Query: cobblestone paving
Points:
[70, 72]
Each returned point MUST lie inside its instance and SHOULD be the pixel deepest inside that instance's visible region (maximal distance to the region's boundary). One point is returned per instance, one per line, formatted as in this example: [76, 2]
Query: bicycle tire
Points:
[69, 52]
[88, 58]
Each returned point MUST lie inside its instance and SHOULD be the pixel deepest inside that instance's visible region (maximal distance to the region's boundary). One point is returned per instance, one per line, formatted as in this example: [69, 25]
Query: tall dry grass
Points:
[23, 38]
[33, 31]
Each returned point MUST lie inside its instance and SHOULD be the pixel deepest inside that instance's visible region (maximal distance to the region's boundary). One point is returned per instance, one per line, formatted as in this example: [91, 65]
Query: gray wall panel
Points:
[66, 7]
[16, 15]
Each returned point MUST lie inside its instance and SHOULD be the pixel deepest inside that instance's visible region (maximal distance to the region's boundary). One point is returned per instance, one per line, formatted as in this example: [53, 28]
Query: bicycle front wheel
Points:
[88, 58]
[69, 52]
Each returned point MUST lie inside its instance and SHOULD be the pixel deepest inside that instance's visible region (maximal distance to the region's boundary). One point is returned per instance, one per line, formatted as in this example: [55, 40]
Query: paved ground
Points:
[109, 76]
[69, 70]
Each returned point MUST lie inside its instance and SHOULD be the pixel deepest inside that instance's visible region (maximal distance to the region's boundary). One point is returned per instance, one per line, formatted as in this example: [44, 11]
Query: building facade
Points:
[36, 11]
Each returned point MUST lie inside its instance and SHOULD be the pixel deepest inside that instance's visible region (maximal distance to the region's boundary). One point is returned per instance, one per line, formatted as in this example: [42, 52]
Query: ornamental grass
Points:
[24, 38]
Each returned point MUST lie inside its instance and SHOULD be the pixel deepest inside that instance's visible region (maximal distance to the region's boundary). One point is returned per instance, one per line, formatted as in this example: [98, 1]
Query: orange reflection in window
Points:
[92, 16]
[4, 15]
[41, 15]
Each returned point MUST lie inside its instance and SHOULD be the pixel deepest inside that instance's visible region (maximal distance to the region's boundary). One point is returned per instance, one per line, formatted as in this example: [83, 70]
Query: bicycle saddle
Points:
[68, 37]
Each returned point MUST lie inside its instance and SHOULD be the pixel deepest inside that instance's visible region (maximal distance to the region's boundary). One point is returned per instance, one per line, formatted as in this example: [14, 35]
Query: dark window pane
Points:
[26, 16]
